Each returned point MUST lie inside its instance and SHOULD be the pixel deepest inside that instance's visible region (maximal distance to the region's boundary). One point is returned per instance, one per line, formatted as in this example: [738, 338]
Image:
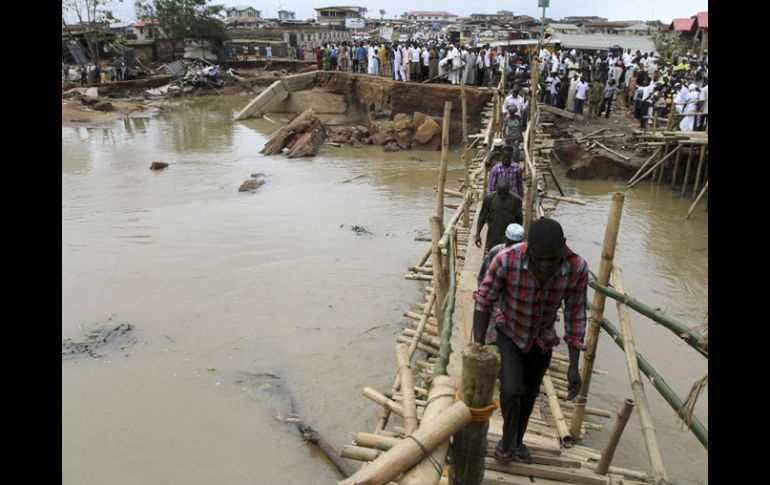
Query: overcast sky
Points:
[663, 10]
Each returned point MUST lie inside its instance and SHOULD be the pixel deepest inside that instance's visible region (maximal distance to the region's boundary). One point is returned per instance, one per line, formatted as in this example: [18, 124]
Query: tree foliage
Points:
[180, 19]
[670, 44]
[93, 19]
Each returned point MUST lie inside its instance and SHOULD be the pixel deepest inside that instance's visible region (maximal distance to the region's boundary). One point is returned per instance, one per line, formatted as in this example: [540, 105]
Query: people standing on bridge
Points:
[508, 170]
[531, 281]
[498, 209]
[514, 235]
[246, 53]
[693, 97]
[511, 126]
[269, 53]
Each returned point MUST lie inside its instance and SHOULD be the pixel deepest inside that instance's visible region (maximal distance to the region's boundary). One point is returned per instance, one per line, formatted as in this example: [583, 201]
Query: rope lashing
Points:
[479, 415]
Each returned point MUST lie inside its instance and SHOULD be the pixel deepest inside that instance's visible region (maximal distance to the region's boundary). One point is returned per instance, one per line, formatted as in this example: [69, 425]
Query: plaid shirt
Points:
[527, 312]
[512, 173]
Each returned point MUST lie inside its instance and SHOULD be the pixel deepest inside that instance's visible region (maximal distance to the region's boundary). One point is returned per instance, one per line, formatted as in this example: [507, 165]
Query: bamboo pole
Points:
[592, 337]
[412, 449]
[687, 172]
[446, 328]
[657, 380]
[421, 346]
[437, 230]
[589, 410]
[612, 442]
[378, 442]
[558, 415]
[635, 378]
[464, 107]
[700, 196]
[359, 453]
[654, 167]
[564, 199]
[676, 169]
[702, 157]
[643, 165]
[444, 160]
[692, 337]
[415, 343]
[407, 388]
[312, 436]
[662, 168]
[383, 401]
[612, 151]
[440, 397]
[481, 366]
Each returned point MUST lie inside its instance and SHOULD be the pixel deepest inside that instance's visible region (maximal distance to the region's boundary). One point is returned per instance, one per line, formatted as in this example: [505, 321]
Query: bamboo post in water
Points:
[687, 171]
[440, 397]
[657, 150]
[700, 196]
[481, 366]
[614, 438]
[662, 167]
[444, 160]
[592, 337]
[654, 167]
[700, 170]
[439, 283]
[676, 168]
[413, 448]
[407, 388]
[635, 378]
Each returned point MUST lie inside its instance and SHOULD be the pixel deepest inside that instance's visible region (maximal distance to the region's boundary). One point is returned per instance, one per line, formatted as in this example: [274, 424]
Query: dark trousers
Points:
[608, 103]
[520, 377]
[642, 119]
[579, 105]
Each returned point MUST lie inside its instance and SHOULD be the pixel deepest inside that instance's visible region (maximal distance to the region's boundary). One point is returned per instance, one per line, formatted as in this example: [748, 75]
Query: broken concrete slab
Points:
[303, 136]
[321, 102]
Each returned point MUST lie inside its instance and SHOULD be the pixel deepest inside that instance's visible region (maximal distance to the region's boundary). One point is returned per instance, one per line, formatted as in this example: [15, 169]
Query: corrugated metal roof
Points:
[637, 27]
[683, 25]
[564, 26]
[605, 41]
[703, 20]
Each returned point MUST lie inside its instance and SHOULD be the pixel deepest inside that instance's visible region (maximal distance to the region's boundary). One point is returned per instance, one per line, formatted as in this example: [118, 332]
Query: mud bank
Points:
[380, 94]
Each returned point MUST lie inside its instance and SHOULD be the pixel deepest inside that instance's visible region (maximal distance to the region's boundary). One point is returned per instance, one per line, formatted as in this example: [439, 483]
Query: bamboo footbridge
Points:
[445, 387]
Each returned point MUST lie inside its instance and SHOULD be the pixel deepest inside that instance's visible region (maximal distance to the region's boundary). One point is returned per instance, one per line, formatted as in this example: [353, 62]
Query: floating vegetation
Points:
[100, 340]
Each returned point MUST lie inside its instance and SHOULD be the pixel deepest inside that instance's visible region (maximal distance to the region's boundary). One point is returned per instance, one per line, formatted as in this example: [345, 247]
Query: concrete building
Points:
[143, 30]
[430, 16]
[337, 15]
[284, 15]
[242, 11]
[500, 16]
[695, 28]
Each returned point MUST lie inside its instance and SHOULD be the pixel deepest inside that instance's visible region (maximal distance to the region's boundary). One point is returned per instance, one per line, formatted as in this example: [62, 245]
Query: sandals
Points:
[520, 454]
[503, 457]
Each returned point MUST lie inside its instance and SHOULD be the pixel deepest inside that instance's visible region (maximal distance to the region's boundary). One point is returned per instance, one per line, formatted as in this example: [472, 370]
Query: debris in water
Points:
[360, 230]
[103, 337]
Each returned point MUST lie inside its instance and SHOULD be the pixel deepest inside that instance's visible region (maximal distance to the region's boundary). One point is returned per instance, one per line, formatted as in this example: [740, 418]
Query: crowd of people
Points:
[575, 80]
[94, 72]
[419, 61]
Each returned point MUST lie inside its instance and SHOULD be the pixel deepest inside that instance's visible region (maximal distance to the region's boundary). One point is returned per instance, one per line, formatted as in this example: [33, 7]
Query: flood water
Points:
[275, 286]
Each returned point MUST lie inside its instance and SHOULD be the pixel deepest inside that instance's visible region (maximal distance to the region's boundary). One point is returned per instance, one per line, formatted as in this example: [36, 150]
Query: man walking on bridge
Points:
[530, 282]
[498, 210]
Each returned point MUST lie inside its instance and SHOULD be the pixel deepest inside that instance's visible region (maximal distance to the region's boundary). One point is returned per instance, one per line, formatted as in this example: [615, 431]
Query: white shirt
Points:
[397, 57]
[425, 57]
[518, 101]
[415, 54]
[647, 92]
[580, 92]
[704, 96]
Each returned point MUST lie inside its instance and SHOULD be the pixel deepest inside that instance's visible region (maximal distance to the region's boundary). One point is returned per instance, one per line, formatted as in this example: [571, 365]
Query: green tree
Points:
[670, 44]
[93, 18]
[182, 19]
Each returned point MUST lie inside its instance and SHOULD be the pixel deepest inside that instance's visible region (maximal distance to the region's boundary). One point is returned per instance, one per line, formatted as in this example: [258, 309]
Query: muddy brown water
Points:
[276, 286]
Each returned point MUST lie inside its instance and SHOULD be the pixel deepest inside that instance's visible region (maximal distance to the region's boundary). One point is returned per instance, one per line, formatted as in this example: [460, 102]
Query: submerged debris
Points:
[103, 337]
[158, 165]
[252, 184]
[359, 230]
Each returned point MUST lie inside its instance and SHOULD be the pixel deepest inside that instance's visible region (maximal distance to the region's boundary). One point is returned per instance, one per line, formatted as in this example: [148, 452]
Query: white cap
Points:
[514, 232]
[498, 142]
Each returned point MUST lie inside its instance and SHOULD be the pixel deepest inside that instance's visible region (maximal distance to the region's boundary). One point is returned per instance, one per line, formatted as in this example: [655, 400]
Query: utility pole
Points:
[544, 4]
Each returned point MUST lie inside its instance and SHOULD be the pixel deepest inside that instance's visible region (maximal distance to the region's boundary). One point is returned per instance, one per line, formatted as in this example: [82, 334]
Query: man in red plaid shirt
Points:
[529, 283]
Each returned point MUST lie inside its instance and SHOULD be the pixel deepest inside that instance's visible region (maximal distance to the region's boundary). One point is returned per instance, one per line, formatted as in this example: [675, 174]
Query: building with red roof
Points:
[695, 28]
